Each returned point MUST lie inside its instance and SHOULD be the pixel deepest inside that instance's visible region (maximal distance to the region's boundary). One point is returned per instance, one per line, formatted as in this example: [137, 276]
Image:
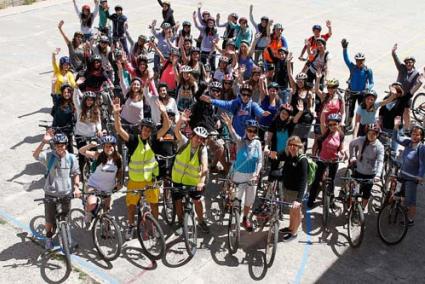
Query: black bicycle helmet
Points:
[147, 122]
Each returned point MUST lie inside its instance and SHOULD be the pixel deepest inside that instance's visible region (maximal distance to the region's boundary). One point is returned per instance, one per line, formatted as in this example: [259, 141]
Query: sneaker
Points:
[204, 227]
[289, 237]
[411, 223]
[246, 224]
[285, 230]
[129, 234]
[179, 229]
[48, 245]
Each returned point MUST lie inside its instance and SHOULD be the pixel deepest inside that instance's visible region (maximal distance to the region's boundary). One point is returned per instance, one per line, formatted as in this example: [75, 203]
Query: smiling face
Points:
[145, 133]
[109, 149]
[89, 102]
[409, 65]
[67, 93]
[372, 135]
[136, 86]
[251, 132]
[162, 92]
[360, 63]
[416, 135]
[246, 96]
[60, 149]
[210, 23]
[370, 100]
[284, 115]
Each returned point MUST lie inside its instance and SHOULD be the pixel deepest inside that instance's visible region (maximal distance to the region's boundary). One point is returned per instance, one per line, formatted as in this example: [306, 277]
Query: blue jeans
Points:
[284, 95]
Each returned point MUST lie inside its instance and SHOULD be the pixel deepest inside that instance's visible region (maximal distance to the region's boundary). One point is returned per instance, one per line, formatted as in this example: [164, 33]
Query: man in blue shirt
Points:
[361, 78]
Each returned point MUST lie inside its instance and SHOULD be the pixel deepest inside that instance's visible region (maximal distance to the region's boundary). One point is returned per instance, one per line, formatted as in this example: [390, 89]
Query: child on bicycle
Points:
[106, 174]
[62, 178]
[247, 167]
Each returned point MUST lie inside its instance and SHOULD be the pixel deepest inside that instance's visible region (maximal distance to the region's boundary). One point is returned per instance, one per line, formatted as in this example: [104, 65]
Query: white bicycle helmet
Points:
[201, 132]
[301, 76]
[359, 56]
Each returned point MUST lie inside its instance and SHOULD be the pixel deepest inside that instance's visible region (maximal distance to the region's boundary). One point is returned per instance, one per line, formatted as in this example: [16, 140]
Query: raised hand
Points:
[60, 25]
[226, 118]
[328, 23]
[289, 57]
[300, 105]
[48, 135]
[258, 36]
[116, 108]
[394, 47]
[160, 106]
[344, 43]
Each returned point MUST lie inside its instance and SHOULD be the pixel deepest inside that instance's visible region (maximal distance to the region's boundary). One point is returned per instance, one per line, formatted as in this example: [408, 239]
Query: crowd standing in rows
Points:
[196, 94]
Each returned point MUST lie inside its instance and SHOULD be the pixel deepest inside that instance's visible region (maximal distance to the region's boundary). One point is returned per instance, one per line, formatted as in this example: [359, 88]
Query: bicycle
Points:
[350, 98]
[190, 232]
[149, 232]
[62, 225]
[326, 189]
[88, 166]
[392, 218]
[104, 228]
[232, 206]
[418, 108]
[168, 209]
[352, 201]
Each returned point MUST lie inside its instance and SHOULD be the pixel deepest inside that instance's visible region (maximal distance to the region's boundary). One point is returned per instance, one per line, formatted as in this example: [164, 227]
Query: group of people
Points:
[198, 94]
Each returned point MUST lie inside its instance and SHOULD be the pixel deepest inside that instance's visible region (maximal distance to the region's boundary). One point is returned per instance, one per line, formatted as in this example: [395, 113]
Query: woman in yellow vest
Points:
[190, 169]
[143, 166]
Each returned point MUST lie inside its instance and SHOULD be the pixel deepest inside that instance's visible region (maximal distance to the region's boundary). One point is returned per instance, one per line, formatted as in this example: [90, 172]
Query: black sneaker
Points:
[411, 223]
[289, 237]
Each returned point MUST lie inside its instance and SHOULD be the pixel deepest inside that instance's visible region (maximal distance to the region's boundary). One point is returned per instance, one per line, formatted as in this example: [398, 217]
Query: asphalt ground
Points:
[29, 34]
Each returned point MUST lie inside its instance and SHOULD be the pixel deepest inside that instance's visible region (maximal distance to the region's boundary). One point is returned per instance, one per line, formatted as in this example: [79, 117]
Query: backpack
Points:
[52, 162]
[311, 168]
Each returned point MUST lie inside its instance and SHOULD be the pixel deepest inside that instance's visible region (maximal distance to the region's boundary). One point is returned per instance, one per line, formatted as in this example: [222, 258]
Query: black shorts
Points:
[50, 209]
[178, 195]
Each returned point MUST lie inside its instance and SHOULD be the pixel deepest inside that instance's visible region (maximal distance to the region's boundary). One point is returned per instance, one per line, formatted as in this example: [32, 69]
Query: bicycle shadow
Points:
[138, 258]
[28, 140]
[41, 110]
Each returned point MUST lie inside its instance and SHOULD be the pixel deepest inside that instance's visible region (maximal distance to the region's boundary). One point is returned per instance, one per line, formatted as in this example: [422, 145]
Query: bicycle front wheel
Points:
[326, 199]
[418, 107]
[234, 230]
[190, 233]
[168, 209]
[271, 244]
[355, 225]
[65, 243]
[392, 223]
[107, 237]
[150, 236]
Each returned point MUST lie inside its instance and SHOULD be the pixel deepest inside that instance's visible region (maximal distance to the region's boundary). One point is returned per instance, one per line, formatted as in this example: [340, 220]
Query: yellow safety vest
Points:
[142, 163]
[187, 171]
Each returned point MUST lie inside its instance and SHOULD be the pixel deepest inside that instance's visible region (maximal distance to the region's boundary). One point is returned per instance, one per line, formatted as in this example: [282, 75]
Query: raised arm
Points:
[60, 25]
[117, 123]
[195, 22]
[347, 61]
[251, 17]
[166, 124]
[329, 26]
[123, 83]
[397, 61]
[317, 90]
[254, 44]
[292, 82]
[217, 20]
[77, 11]
[228, 121]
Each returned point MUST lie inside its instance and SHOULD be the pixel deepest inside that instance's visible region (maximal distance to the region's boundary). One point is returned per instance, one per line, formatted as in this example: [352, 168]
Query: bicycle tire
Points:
[326, 199]
[271, 244]
[234, 230]
[85, 173]
[190, 233]
[346, 193]
[65, 243]
[107, 223]
[124, 162]
[355, 219]
[392, 215]
[168, 208]
[149, 229]
[418, 111]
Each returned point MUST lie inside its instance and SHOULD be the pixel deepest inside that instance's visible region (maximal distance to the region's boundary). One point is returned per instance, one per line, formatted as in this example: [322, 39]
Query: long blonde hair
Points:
[296, 140]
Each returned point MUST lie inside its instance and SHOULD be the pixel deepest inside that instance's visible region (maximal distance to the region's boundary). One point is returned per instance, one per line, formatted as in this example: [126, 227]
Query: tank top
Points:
[103, 178]
[330, 146]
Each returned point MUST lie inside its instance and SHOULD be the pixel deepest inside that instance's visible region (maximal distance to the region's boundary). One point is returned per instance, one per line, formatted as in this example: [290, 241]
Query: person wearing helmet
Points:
[311, 42]
[75, 48]
[95, 76]
[209, 35]
[86, 18]
[230, 25]
[132, 110]
[412, 164]
[243, 108]
[244, 56]
[119, 27]
[225, 66]
[88, 124]
[103, 19]
[318, 61]
[302, 101]
[277, 41]
[230, 88]
[62, 178]
[368, 109]
[167, 12]
[142, 164]
[185, 33]
[187, 87]
[190, 168]
[247, 166]
[361, 78]
[330, 102]
[63, 112]
[329, 147]
[104, 50]
[281, 73]
[242, 32]
[260, 28]
[163, 37]
[270, 102]
[61, 73]
[105, 174]
[198, 68]
[367, 154]
[138, 48]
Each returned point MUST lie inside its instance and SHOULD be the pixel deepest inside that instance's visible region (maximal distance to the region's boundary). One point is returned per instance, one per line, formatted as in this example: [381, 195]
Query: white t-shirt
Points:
[103, 178]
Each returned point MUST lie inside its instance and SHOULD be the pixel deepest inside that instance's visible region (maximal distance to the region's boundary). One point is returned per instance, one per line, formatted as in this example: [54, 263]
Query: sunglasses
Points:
[251, 131]
[246, 95]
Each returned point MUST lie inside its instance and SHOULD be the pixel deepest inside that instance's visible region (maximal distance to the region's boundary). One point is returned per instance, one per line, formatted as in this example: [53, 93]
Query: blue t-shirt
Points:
[367, 117]
[282, 138]
[247, 157]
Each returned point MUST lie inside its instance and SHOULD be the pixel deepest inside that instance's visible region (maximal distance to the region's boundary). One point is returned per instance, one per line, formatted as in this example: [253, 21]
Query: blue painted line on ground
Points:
[307, 248]
[100, 274]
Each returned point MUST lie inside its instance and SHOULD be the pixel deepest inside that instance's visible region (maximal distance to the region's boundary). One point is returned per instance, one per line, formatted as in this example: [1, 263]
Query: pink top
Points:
[169, 77]
[330, 146]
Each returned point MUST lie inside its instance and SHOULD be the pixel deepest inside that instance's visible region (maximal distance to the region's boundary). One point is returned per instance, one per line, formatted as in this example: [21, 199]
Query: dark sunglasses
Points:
[246, 95]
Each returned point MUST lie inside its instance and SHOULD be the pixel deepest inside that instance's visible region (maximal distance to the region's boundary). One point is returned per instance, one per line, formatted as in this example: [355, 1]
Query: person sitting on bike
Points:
[367, 110]
[242, 108]
[190, 168]
[62, 178]
[330, 102]
[143, 167]
[163, 37]
[281, 75]
[367, 155]
[329, 147]
[103, 19]
[318, 60]
[247, 167]
[230, 87]
[62, 73]
[75, 48]
[106, 172]
[132, 109]
[95, 76]
[312, 41]
[63, 112]
[209, 34]
[167, 12]
[119, 27]
[295, 165]
[263, 27]
[87, 18]
[277, 41]
[230, 25]
[186, 89]
[224, 67]
[88, 123]
[164, 97]
[361, 78]
[413, 164]
[270, 102]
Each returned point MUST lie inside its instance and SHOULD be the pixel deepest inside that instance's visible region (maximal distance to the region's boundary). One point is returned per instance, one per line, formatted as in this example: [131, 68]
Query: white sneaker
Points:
[48, 244]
